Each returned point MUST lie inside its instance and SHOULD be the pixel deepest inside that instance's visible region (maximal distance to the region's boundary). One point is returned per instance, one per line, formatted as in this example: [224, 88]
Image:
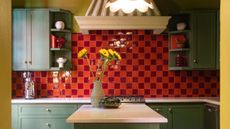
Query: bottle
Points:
[29, 87]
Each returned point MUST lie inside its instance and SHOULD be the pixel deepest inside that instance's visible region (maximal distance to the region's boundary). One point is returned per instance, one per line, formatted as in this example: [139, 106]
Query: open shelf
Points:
[180, 68]
[179, 49]
[63, 31]
[179, 31]
[59, 49]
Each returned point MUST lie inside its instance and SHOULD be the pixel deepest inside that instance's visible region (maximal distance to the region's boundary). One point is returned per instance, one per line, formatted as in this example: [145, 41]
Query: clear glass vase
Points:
[97, 93]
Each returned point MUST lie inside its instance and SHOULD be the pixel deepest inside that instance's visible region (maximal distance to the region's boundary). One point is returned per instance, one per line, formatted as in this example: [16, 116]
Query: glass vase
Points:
[97, 93]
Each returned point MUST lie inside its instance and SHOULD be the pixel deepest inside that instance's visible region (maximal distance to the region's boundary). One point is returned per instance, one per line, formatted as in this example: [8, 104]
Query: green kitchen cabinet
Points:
[30, 39]
[163, 110]
[212, 117]
[42, 116]
[32, 29]
[14, 116]
[181, 116]
[200, 51]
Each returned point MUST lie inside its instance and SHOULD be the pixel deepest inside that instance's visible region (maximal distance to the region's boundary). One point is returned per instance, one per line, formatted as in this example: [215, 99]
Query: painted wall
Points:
[5, 65]
[142, 71]
[225, 63]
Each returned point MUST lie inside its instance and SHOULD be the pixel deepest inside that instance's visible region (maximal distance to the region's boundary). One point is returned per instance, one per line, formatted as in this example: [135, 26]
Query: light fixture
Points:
[128, 6]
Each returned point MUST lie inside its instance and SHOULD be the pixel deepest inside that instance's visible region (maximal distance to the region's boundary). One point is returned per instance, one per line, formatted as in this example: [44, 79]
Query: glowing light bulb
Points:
[128, 6]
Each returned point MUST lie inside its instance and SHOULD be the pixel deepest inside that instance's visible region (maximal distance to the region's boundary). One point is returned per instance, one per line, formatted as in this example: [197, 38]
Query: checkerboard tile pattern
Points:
[142, 71]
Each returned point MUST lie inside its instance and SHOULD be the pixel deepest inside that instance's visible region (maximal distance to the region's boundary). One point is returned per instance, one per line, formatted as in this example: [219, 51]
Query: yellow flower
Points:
[111, 52]
[82, 53]
[104, 53]
[117, 55]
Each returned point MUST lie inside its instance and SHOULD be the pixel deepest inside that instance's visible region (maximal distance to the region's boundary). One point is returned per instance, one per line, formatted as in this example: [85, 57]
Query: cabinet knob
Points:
[48, 124]
[170, 109]
[157, 109]
[25, 62]
[195, 61]
[48, 110]
[209, 110]
[30, 62]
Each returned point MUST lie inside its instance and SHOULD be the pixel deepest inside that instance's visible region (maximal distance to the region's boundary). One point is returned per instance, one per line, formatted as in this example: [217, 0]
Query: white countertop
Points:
[126, 113]
[211, 100]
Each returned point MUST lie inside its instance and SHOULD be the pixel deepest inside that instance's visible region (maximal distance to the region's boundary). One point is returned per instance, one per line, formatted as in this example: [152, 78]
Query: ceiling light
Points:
[128, 6]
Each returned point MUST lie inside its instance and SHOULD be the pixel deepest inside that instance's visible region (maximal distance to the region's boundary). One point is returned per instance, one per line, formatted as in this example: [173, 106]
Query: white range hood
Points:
[100, 18]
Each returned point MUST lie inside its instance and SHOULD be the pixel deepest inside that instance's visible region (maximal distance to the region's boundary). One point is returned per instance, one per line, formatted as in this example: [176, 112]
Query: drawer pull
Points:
[48, 110]
[48, 124]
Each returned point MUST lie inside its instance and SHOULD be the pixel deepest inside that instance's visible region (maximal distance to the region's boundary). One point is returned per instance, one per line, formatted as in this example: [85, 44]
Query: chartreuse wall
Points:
[225, 64]
[5, 64]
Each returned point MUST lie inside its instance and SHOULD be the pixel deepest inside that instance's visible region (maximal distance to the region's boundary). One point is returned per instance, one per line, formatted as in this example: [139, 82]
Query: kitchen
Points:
[169, 83]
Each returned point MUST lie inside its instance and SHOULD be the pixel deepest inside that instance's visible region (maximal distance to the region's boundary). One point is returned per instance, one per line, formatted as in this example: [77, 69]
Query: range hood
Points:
[98, 17]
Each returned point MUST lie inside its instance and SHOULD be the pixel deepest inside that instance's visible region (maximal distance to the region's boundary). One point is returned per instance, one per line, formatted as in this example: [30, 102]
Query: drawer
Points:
[47, 109]
[44, 123]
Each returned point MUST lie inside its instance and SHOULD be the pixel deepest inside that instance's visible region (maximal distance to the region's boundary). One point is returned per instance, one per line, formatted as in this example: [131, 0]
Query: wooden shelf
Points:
[59, 49]
[180, 68]
[62, 31]
[179, 49]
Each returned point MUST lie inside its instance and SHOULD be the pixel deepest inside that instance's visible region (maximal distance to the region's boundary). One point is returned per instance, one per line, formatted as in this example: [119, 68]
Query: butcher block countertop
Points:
[126, 113]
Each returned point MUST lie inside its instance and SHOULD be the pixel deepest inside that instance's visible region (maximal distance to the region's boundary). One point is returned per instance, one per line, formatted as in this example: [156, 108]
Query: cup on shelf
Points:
[61, 61]
[60, 25]
[181, 26]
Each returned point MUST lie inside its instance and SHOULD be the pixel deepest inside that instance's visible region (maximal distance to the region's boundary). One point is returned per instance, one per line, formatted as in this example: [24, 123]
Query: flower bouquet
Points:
[107, 56]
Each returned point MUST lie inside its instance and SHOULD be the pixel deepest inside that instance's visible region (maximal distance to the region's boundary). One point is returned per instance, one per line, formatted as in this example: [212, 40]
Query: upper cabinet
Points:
[193, 41]
[37, 43]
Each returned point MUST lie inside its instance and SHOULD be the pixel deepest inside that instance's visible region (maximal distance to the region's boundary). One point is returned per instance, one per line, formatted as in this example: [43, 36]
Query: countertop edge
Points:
[210, 100]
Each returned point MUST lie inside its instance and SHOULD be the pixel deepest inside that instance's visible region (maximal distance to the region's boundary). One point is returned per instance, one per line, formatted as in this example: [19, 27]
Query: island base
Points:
[117, 126]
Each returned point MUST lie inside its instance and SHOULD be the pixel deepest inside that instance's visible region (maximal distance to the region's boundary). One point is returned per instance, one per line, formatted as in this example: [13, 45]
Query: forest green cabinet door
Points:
[212, 117]
[163, 110]
[19, 39]
[187, 117]
[205, 39]
[181, 116]
[39, 57]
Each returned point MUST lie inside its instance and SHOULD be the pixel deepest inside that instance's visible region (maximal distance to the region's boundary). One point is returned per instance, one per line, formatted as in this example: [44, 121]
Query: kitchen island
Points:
[127, 116]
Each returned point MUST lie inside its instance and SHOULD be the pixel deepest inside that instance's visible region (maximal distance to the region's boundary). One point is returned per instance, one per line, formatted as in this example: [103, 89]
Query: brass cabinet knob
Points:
[30, 62]
[209, 110]
[48, 124]
[48, 110]
[195, 61]
[170, 109]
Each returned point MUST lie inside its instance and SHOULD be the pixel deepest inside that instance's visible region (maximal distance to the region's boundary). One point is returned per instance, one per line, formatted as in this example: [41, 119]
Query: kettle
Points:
[29, 91]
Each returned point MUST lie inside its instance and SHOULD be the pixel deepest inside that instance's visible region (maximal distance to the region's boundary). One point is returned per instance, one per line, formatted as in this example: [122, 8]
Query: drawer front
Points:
[39, 109]
[44, 123]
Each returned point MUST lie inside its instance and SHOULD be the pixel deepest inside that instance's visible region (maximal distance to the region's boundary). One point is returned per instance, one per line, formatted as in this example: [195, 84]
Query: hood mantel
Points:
[100, 18]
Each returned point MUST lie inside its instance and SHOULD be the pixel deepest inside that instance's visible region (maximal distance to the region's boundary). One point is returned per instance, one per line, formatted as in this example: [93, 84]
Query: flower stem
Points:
[103, 68]
[87, 59]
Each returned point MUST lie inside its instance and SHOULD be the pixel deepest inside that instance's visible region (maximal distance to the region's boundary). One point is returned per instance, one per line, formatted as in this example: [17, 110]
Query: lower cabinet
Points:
[181, 116]
[212, 117]
[42, 116]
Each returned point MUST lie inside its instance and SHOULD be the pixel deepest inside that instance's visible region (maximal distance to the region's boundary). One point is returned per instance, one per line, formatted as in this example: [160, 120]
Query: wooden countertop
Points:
[126, 113]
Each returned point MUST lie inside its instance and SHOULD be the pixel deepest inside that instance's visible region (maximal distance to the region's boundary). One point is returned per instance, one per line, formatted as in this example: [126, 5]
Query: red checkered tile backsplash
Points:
[142, 71]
